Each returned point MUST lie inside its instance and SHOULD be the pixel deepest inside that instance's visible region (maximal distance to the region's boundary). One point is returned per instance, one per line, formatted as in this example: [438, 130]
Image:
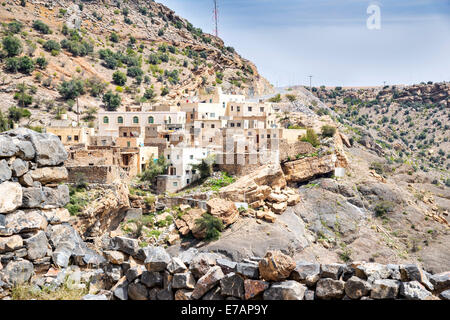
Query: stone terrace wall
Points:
[152, 274]
[34, 232]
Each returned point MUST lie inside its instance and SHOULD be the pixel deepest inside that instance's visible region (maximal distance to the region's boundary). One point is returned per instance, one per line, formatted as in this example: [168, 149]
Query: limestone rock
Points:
[13, 200]
[151, 279]
[25, 221]
[356, 288]
[183, 281]
[201, 263]
[276, 266]
[183, 294]
[254, 288]
[227, 265]
[441, 281]
[413, 290]
[7, 147]
[232, 285]
[18, 272]
[287, 290]
[37, 246]
[126, 245]
[49, 174]
[176, 266]
[306, 272]
[248, 270]
[5, 171]
[115, 257]
[137, 291]
[157, 259]
[19, 167]
[328, 289]
[10, 243]
[279, 208]
[207, 282]
[332, 271]
[385, 289]
[305, 169]
[223, 209]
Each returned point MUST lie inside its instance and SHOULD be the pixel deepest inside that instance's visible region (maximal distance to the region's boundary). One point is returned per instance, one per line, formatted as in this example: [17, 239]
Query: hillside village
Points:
[144, 159]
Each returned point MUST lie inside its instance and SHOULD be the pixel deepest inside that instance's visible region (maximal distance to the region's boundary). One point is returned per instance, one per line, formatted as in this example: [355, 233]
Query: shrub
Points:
[204, 168]
[112, 101]
[40, 26]
[51, 45]
[119, 78]
[154, 169]
[15, 27]
[71, 89]
[213, 226]
[12, 65]
[383, 207]
[149, 94]
[164, 91]
[15, 114]
[110, 62]
[291, 97]
[12, 46]
[328, 131]
[378, 167]
[311, 137]
[77, 48]
[134, 72]
[275, 99]
[96, 86]
[114, 37]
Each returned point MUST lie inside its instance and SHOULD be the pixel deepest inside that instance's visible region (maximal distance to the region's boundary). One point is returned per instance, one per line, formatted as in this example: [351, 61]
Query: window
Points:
[69, 138]
[261, 109]
[151, 120]
[213, 126]
[120, 120]
[210, 100]
[168, 156]
[105, 120]
[239, 124]
[124, 134]
[135, 120]
[238, 109]
[212, 115]
[191, 157]
[224, 104]
[231, 108]
[75, 138]
[175, 184]
[250, 109]
[170, 120]
[232, 125]
[268, 136]
[203, 125]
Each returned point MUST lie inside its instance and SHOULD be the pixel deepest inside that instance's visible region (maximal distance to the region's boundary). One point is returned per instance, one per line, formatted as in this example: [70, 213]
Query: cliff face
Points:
[164, 56]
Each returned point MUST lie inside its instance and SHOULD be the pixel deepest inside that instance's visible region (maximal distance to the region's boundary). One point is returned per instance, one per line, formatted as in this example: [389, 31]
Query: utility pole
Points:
[216, 19]
[310, 83]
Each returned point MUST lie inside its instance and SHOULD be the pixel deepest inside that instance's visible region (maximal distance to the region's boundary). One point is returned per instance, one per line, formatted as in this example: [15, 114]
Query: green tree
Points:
[22, 96]
[71, 89]
[4, 123]
[328, 131]
[311, 137]
[51, 45]
[15, 27]
[12, 46]
[213, 226]
[204, 168]
[96, 86]
[112, 101]
[119, 78]
[275, 99]
[154, 170]
[40, 26]
[114, 37]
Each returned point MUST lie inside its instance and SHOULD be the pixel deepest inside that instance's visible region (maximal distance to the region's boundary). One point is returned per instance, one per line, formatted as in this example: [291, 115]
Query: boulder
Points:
[307, 168]
[332, 271]
[201, 263]
[276, 266]
[5, 171]
[176, 266]
[183, 294]
[232, 285]
[254, 288]
[445, 295]
[213, 295]
[14, 198]
[248, 270]
[126, 245]
[120, 289]
[137, 291]
[412, 272]
[25, 221]
[183, 281]
[157, 259]
[441, 281]
[151, 279]
[372, 271]
[293, 199]
[37, 246]
[134, 272]
[277, 197]
[114, 257]
[7, 147]
[18, 272]
[279, 208]
[45, 198]
[286, 290]
[385, 289]
[165, 294]
[19, 167]
[413, 290]
[227, 266]
[26, 180]
[330, 289]
[10, 243]
[49, 150]
[187, 223]
[356, 288]
[207, 282]
[306, 272]
[187, 256]
[50, 174]
[56, 216]
[223, 209]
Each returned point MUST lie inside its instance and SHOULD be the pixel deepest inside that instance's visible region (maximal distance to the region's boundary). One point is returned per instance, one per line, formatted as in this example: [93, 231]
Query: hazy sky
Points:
[291, 39]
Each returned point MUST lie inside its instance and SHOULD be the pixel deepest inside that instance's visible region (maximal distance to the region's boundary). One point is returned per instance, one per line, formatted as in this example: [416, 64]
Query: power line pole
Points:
[310, 83]
[216, 19]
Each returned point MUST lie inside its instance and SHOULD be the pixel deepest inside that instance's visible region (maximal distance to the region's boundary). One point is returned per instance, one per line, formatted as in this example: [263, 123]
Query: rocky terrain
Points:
[79, 45]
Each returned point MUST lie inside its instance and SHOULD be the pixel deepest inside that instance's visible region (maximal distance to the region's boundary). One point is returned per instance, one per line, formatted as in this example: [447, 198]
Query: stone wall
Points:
[96, 174]
[194, 275]
[34, 229]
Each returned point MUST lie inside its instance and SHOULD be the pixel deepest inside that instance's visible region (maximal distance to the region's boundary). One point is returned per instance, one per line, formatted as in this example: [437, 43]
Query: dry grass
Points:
[28, 292]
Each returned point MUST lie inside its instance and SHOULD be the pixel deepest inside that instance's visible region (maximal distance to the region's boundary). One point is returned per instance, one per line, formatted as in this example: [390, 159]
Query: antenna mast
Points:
[216, 19]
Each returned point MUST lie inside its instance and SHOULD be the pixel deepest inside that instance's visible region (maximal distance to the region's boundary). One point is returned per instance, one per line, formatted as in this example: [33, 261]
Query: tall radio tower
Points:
[216, 19]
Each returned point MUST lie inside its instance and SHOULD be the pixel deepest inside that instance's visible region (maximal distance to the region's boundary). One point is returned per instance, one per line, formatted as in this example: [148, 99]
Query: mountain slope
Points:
[163, 56]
